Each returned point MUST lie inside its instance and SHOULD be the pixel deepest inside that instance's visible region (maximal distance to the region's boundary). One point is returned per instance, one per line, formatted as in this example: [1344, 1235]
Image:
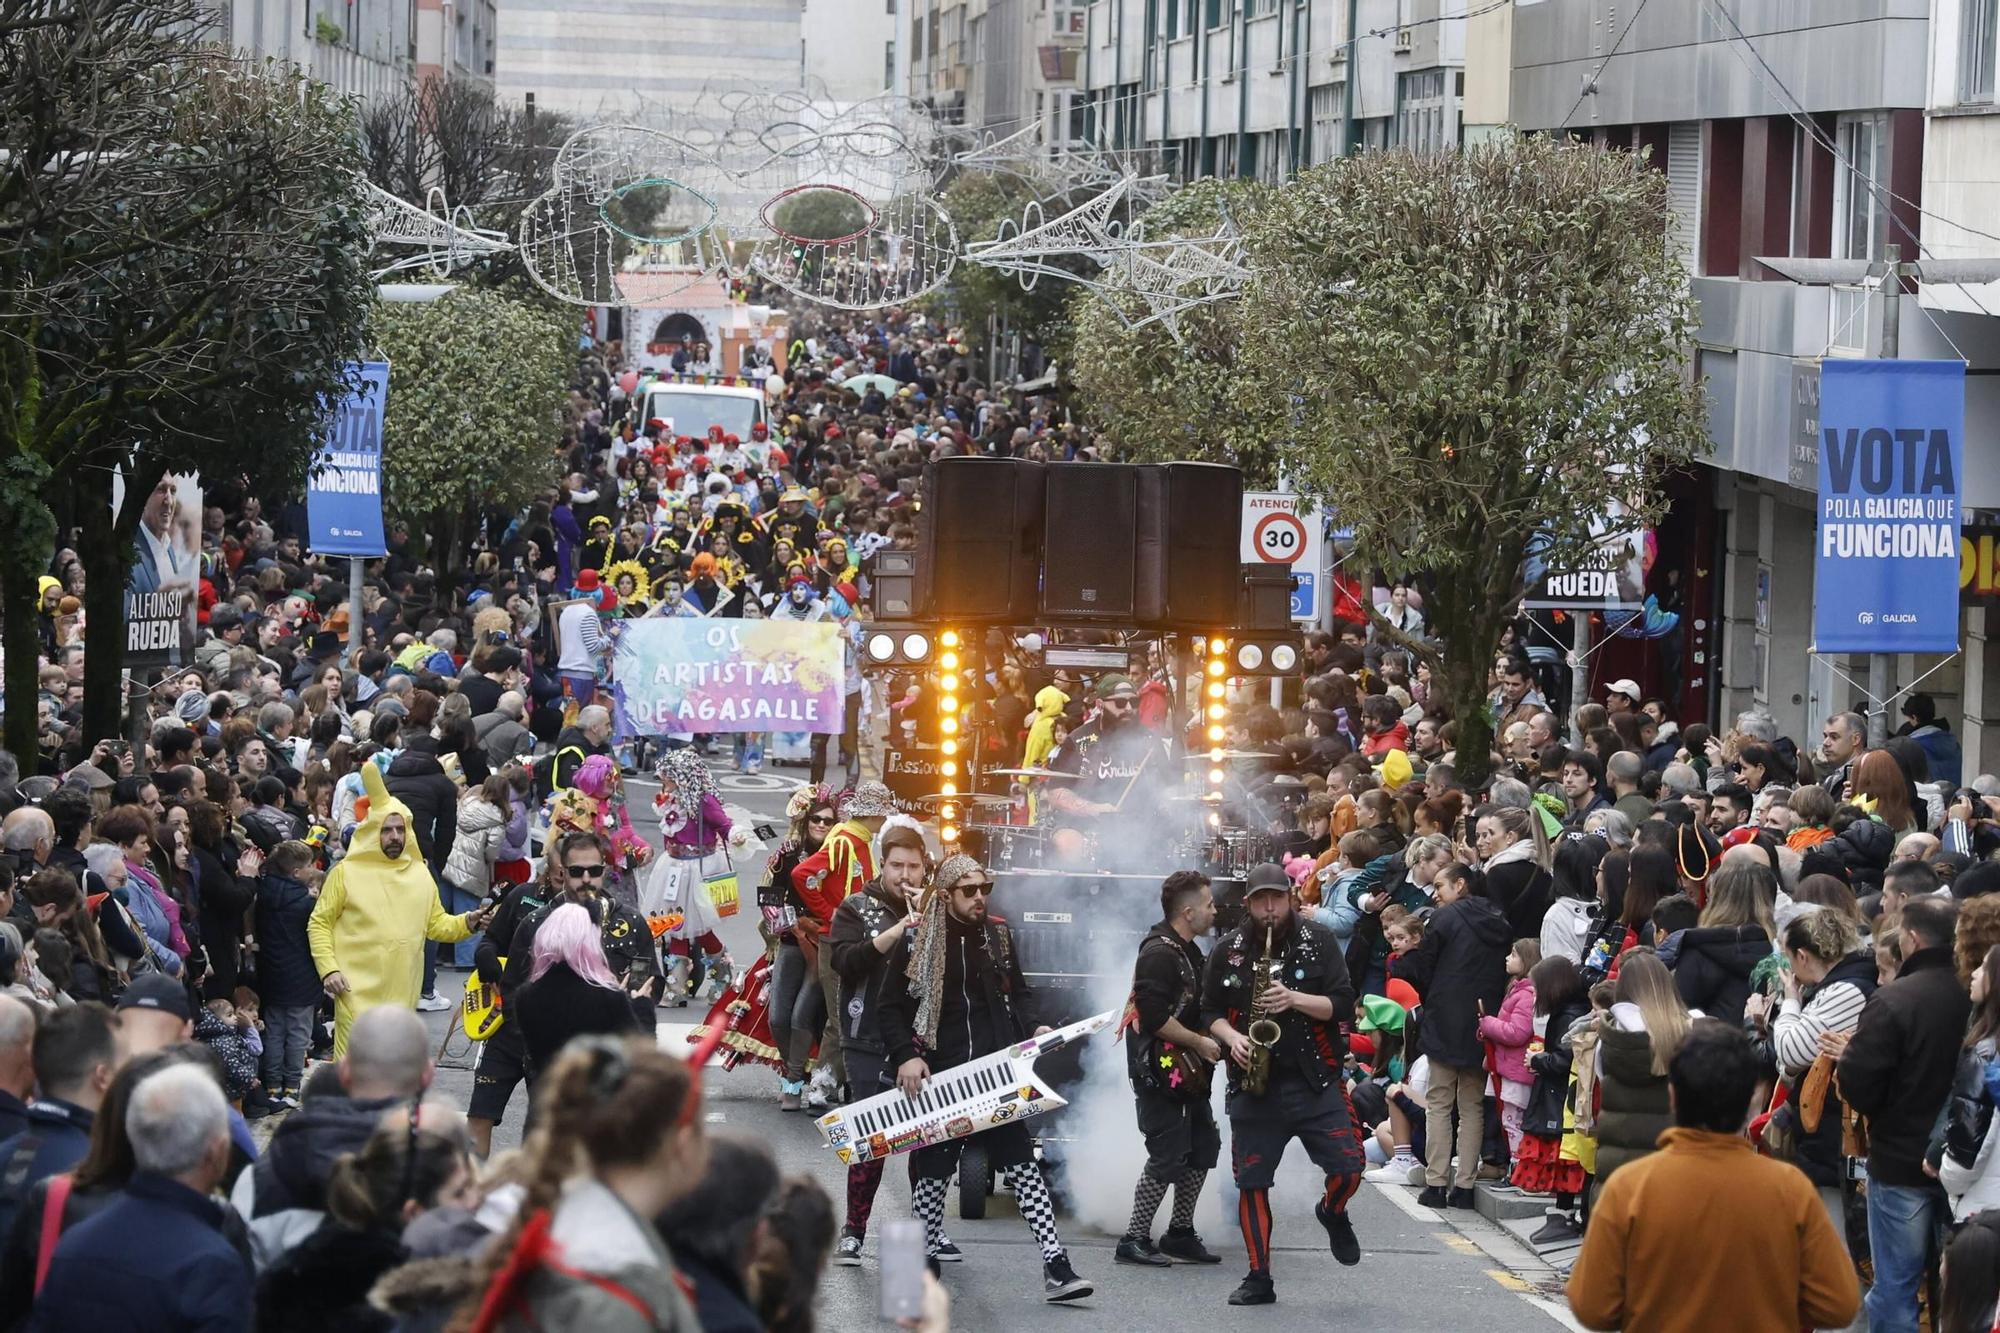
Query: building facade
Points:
[1000, 66]
[367, 48]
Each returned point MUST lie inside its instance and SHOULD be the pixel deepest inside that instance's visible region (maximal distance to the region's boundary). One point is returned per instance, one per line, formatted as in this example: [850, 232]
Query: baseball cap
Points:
[1628, 688]
[1115, 686]
[156, 990]
[1270, 876]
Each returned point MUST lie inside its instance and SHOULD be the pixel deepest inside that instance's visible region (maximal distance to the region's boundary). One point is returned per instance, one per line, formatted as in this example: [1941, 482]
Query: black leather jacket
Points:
[863, 969]
[1311, 964]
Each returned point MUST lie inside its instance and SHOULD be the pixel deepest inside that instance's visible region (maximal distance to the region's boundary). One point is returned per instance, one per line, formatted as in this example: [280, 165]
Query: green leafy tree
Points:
[478, 384]
[1157, 398]
[181, 287]
[979, 204]
[821, 214]
[1484, 350]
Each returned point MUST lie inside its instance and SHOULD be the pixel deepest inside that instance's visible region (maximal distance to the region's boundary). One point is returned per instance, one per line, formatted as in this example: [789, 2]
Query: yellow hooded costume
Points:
[374, 915]
[1049, 703]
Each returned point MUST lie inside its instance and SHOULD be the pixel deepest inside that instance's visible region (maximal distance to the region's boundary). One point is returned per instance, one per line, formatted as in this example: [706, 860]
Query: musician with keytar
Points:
[1171, 1062]
[1273, 995]
[956, 994]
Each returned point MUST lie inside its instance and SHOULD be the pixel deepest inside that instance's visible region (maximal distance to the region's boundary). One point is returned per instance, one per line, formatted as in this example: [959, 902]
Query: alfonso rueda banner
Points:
[1891, 457]
[344, 492]
[161, 591]
[692, 673]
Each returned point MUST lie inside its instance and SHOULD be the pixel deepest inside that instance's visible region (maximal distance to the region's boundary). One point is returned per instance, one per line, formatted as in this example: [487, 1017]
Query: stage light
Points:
[1215, 776]
[950, 747]
[1284, 657]
[916, 647]
[1215, 820]
[949, 703]
[949, 638]
[1215, 689]
[949, 726]
[948, 811]
[1216, 733]
[1216, 712]
[949, 833]
[881, 647]
[948, 682]
[949, 661]
[1249, 657]
[1216, 667]
[1215, 754]
[948, 788]
[949, 768]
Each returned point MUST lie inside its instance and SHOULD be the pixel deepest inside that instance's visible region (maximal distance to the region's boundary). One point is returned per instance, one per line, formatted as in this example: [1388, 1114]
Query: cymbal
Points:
[1206, 797]
[1209, 756]
[968, 798]
[1030, 773]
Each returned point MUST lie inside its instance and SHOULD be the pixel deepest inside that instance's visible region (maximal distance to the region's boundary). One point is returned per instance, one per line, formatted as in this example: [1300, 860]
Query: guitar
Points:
[482, 1016]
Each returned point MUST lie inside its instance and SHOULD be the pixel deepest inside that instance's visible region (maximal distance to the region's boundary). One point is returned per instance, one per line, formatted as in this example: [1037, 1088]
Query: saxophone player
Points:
[1278, 968]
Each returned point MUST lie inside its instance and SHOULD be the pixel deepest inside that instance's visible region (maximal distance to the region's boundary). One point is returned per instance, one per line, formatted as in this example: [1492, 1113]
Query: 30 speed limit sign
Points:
[1274, 533]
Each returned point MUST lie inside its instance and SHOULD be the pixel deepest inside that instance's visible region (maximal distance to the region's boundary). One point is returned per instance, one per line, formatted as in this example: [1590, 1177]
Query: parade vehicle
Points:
[690, 404]
[1098, 572]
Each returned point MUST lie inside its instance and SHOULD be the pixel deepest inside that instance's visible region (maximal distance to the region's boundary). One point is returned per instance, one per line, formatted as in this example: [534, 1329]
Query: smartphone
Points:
[902, 1269]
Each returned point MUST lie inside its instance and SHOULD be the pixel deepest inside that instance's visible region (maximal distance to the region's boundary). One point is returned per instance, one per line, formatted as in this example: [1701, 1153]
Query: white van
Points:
[691, 408]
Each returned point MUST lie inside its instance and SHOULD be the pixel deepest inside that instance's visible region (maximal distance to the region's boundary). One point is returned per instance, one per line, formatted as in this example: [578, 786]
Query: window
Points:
[1860, 198]
[889, 65]
[1323, 105]
[1067, 18]
[1976, 30]
[1426, 115]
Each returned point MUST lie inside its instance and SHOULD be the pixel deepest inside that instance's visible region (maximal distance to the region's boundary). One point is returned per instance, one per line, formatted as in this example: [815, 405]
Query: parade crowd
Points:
[1722, 1002]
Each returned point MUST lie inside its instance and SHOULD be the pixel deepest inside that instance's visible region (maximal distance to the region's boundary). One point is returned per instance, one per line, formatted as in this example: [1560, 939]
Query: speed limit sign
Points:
[1274, 533]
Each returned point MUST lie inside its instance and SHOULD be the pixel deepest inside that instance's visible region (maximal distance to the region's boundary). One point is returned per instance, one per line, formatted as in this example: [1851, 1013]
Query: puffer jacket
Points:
[1969, 1172]
[1635, 1109]
[1713, 968]
[418, 780]
[482, 830]
[1510, 1031]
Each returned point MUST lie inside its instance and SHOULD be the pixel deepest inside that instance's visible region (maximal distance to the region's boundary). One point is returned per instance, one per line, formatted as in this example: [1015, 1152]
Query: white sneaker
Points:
[1396, 1171]
[433, 1003]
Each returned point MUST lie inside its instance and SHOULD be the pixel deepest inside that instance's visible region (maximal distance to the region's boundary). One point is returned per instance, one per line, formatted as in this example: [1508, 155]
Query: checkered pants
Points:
[1031, 1192]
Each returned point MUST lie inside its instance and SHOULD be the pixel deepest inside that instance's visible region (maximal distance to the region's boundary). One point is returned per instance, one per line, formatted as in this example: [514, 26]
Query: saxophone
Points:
[1263, 1031]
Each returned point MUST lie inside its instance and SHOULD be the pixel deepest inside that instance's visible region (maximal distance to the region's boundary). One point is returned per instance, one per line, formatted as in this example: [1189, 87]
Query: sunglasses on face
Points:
[972, 890]
[819, 819]
[586, 872]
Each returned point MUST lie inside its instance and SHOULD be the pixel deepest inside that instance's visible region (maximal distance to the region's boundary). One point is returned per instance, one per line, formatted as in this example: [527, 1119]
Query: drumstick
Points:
[1118, 805]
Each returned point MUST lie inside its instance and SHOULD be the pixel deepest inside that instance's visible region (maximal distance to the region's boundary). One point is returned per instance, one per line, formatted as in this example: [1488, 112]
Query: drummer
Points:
[1123, 773]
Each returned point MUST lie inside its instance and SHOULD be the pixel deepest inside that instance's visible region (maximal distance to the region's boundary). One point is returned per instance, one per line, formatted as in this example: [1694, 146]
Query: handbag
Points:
[779, 915]
[721, 884]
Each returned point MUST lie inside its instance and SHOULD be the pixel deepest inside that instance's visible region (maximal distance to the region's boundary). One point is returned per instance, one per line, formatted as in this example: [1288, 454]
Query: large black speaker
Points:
[1188, 540]
[1090, 558]
[979, 540]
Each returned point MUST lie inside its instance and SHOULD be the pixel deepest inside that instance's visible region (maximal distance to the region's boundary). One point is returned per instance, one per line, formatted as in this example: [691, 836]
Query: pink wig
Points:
[593, 775]
[570, 937]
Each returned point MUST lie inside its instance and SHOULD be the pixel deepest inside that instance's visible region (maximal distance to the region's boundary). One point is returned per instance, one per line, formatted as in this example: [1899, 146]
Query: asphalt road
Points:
[1420, 1270]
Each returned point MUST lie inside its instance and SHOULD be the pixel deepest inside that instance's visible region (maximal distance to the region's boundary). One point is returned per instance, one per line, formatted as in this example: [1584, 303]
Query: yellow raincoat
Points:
[1049, 703]
[374, 915]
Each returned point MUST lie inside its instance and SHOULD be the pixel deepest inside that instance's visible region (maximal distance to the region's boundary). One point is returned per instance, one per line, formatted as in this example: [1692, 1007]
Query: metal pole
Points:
[1347, 89]
[1892, 342]
[1579, 669]
[354, 611]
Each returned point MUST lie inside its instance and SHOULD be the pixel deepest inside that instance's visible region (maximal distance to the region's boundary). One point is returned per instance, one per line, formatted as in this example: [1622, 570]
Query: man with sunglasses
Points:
[955, 993]
[574, 872]
[1121, 768]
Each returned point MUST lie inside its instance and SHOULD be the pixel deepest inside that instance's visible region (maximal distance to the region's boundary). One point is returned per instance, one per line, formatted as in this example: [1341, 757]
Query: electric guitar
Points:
[482, 1016]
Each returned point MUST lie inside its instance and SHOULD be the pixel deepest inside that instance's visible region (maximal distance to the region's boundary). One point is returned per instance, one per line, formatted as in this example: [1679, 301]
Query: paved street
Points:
[1418, 1271]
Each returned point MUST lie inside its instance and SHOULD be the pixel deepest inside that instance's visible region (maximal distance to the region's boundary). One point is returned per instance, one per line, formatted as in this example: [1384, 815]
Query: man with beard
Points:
[1122, 769]
[955, 993]
[865, 931]
[1279, 967]
[375, 911]
[573, 872]
[1170, 1061]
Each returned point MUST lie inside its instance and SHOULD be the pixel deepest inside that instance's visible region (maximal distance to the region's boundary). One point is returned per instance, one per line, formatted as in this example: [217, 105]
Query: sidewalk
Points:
[1498, 1228]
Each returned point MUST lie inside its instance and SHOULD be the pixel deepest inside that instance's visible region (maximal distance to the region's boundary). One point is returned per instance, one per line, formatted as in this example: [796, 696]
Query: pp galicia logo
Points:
[1866, 618]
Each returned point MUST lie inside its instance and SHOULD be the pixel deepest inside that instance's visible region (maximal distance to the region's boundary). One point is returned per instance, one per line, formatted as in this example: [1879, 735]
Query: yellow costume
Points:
[374, 914]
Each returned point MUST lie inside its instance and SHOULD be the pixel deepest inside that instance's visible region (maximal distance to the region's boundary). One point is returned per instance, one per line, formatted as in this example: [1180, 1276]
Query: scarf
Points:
[684, 781]
[927, 952]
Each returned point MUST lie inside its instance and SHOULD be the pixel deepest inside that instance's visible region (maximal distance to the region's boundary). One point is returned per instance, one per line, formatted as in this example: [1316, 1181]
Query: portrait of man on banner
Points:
[160, 593]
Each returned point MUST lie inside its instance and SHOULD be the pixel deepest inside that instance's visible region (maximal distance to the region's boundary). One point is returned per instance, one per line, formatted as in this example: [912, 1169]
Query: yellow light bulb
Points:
[949, 703]
[948, 661]
[1217, 647]
[1215, 754]
[950, 747]
[1216, 712]
[948, 833]
[949, 638]
[948, 682]
[1216, 733]
[1215, 689]
[949, 811]
[949, 726]
[1216, 667]
[949, 768]
[949, 788]
[1215, 775]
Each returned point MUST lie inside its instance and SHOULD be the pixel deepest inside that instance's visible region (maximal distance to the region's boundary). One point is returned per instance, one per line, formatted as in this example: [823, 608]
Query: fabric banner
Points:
[344, 492]
[694, 674]
[162, 592]
[1892, 450]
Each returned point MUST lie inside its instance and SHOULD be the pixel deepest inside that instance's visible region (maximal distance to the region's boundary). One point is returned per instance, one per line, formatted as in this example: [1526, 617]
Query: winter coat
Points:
[1897, 1069]
[624, 1280]
[1520, 888]
[224, 900]
[57, 1137]
[154, 1258]
[286, 976]
[1463, 959]
[1567, 928]
[1543, 1115]
[418, 780]
[1634, 1110]
[1834, 1005]
[1969, 1172]
[1340, 902]
[283, 1196]
[862, 968]
[1511, 1030]
[321, 1285]
[482, 829]
[560, 1005]
[1714, 966]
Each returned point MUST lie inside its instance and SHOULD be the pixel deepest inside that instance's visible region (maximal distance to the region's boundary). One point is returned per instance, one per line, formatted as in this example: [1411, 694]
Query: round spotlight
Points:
[1217, 647]
[1215, 689]
[1215, 820]
[949, 726]
[1216, 712]
[949, 746]
[1215, 753]
[948, 812]
[948, 682]
[1216, 775]
[949, 661]
[949, 638]
[916, 647]
[948, 788]
[881, 647]
[949, 703]
[1250, 657]
[1215, 733]
[949, 833]
[1216, 668]
[1284, 657]
[949, 768]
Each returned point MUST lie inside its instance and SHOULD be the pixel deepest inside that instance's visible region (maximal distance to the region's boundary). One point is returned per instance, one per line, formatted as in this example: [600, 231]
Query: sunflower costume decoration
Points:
[628, 578]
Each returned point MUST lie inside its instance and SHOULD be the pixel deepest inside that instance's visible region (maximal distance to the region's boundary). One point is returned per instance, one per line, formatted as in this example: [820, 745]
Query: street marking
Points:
[1460, 1243]
[1494, 1243]
[1508, 1280]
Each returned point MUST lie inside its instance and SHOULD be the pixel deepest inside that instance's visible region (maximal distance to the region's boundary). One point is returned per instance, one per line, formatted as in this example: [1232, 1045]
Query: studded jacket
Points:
[862, 968]
[1313, 965]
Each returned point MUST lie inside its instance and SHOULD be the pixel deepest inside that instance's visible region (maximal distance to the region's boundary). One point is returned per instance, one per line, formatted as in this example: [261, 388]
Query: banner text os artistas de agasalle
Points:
[695, 674]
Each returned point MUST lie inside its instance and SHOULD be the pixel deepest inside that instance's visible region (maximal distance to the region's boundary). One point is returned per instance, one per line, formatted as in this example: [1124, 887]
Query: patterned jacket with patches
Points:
[1312, 965]
[863, 969]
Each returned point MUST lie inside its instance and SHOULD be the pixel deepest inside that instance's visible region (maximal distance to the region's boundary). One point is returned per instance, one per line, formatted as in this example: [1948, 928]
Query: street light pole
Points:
[1892, 344]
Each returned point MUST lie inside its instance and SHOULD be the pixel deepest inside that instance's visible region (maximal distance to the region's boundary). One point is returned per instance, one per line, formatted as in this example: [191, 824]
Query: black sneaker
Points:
[1339, 1234]
[848, 1253]
[1255, 1289]
[1186, 1246]
[1460, 1198]
[1433, 1196]
[1141, 1250]
[1060, 1282]
[255, 1108]
[948, 1253]
[1559, 1229]
[932, 1267]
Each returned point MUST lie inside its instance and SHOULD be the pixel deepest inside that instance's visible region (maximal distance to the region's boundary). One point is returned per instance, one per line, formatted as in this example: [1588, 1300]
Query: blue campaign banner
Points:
[344, 492]
[1892, 452]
